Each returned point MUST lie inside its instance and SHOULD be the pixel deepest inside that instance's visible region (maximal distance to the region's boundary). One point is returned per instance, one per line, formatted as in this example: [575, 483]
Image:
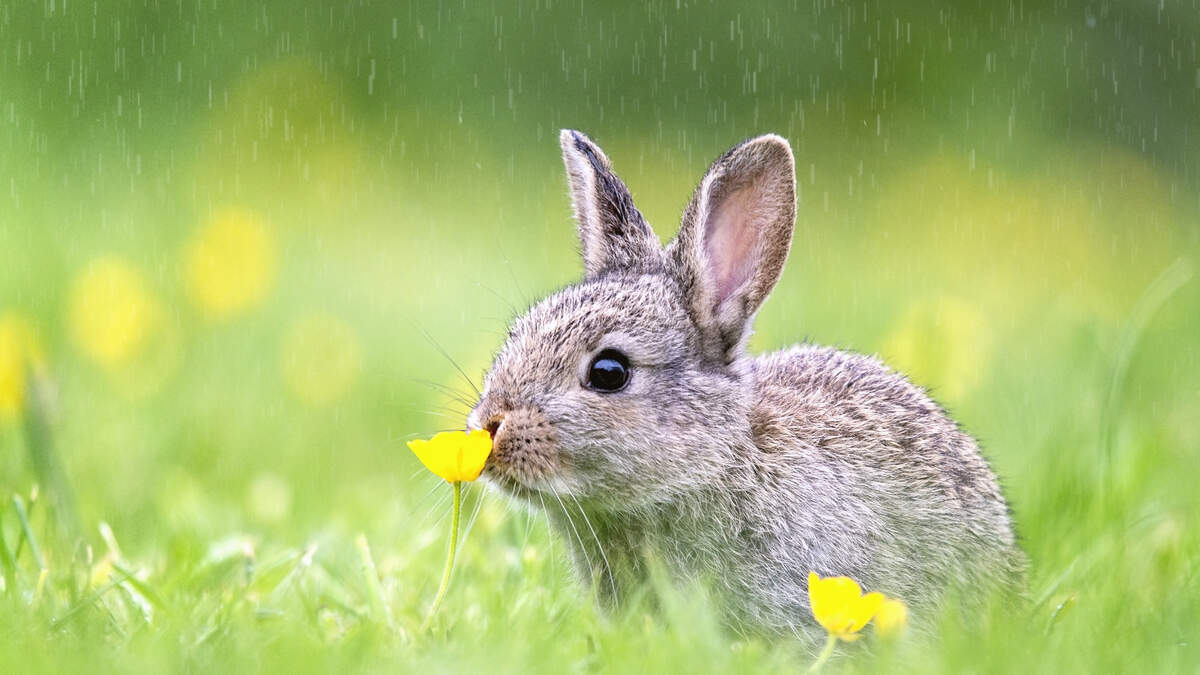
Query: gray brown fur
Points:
[742, 472]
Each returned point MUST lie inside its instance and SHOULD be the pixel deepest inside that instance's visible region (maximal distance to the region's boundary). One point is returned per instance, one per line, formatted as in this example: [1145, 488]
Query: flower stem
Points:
[437, 600]
[824, 655]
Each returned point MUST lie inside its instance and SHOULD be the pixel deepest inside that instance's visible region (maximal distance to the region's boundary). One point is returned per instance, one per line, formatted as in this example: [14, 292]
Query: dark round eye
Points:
[609, 371]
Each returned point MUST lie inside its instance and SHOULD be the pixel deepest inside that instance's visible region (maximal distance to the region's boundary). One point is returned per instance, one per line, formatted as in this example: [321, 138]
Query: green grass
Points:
[1018, 234]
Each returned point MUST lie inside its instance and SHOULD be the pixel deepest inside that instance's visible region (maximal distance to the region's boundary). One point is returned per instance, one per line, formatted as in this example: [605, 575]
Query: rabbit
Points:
[626, 406]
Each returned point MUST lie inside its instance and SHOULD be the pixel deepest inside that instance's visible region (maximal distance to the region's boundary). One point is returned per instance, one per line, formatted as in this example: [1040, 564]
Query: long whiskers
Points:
[449, 358]
[449, 392]
[529, 518]
[511, 274]
[442, 414]
[439, 504]
[418, 434]
[599, 547]
[549, 528]
[571, 522]
[474, 516]
[511, 307]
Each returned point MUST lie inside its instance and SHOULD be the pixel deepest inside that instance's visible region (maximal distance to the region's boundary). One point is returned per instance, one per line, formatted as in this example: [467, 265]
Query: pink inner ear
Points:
[730, 237]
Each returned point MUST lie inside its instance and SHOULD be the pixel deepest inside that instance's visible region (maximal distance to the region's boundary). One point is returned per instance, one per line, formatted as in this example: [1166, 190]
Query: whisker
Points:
[528, 529]
[449, 415]
[444, 406]
[448, 392]
[549, 527]
[471, 521]
[418, 434]
[432, 489]
[607, 566]
[511, 274]
[508, 507]
[457, 407]
[449, 358]
[571, 522]
[511, 307]
[439, 386]
[440, 504]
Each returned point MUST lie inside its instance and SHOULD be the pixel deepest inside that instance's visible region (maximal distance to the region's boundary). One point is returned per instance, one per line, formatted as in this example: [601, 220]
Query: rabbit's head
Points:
[630, 386]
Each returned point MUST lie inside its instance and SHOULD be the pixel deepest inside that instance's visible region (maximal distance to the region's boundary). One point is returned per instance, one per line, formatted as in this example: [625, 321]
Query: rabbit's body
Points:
[626, 407]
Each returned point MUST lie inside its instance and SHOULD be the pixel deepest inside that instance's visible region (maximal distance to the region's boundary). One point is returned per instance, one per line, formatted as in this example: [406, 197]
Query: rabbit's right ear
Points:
[612, 232]
[734, 239]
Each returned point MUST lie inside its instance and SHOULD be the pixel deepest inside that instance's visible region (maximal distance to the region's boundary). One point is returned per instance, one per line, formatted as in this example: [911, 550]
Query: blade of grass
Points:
[41, 586]
[23, 517]
[90, 600]
[110, 539]
[33, 499]
[1175, 277]
[140, 586]
[380, 612]
[293, 577]
[39, 438]
[9, 561]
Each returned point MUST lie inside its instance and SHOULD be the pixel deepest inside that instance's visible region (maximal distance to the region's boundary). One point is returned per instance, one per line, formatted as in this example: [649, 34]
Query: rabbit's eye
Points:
[609, 371]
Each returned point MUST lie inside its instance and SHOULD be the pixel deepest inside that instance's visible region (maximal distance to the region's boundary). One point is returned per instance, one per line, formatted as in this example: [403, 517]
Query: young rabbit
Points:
[627, 408]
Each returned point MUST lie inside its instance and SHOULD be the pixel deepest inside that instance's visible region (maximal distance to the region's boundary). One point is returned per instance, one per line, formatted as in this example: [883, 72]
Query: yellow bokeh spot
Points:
[942, 343]
[274, 134]
[19, 355]
[320, 358]
[229, 265]
[1016, 237]
[111, 311]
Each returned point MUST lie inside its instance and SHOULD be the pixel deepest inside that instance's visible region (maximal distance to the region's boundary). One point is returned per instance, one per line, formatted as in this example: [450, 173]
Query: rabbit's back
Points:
[877, 482]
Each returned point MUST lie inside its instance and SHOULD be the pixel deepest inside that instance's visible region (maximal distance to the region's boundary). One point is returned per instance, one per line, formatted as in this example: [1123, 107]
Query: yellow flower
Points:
[839, 605]
[891, 617]
[19, 354]
[454, 455]
[111, 311]
[229, 265]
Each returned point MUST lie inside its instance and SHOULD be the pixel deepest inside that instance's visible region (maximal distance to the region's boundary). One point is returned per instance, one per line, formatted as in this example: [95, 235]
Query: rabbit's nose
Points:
[493, 425]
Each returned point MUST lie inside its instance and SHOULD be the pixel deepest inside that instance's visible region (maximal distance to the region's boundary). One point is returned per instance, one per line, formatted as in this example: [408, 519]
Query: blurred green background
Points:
[236, 237]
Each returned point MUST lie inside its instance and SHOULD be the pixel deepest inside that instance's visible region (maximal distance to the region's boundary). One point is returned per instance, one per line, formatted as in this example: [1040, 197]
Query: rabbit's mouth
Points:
[531, 490]
[511, 485]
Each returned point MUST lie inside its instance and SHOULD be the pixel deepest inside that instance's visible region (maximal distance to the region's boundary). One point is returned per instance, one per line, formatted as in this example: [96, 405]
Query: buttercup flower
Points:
[839, 605]
[454, 455]
[891, 617]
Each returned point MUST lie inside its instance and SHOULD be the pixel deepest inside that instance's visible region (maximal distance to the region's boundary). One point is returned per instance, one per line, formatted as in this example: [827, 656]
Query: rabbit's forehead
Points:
[645, 312]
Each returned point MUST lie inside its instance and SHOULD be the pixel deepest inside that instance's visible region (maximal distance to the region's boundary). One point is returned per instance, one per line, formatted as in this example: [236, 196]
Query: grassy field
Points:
[235, 244]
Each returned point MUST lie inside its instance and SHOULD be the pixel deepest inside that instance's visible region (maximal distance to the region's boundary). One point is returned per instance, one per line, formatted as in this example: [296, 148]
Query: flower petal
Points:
[427, 452]
[477, 446]
[863, 610]
[891, 617]
[834, 602]
[454, 455]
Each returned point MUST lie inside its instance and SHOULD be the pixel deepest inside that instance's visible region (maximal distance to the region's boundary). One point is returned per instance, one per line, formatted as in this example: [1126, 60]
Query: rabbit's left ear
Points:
[734, 239]
[612, 232]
